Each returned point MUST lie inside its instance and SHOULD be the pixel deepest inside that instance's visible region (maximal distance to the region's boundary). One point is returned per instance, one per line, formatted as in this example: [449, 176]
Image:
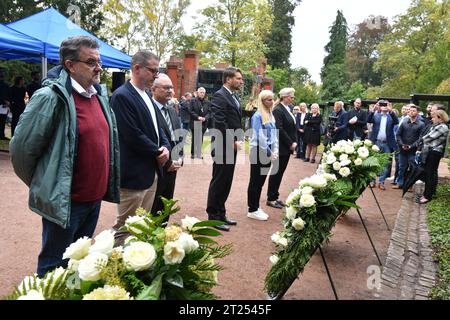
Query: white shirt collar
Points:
[228, 90]
[158, 104]
[78, 88]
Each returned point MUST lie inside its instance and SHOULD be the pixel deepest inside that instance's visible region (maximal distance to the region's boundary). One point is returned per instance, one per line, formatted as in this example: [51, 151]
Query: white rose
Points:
[293, 196]
[188, 222]
[345, 163]
[291, 212]
[345, 172]
[368, 143]
[104, 243]
[335, 149]
[173, 253]
[358, 162]
[304, 182]
[317, 182]
[337, 165]
[307, 201]
[283, 242]
[275, 237]
[343, 157]
[134, 221]
[274, 259]
[187, 242]
[307, 190]
[129, 240]
[363, 152]
[375, 148]
[78, 250]
[32, 295]
[349, 149]
[331, 159]
[89, 268]
[329, 177]
[139, 256]
[357, 143]
[298, 224]
[73, 265]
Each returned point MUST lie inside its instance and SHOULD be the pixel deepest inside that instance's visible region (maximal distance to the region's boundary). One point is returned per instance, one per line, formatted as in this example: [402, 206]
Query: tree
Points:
[279, 40]
[333, 74]
[234, 30]
[414, 56]
[362, 50]
[145, 24]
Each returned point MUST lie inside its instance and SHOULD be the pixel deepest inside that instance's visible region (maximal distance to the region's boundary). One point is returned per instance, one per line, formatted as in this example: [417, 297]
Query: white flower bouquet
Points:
[176, 262]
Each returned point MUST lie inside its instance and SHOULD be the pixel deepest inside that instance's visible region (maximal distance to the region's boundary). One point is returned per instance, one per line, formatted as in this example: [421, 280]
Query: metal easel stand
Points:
[328, 273]
[379, 207]
[368, 235]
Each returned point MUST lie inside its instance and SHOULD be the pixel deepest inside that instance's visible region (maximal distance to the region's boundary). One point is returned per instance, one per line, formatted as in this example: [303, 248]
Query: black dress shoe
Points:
[222, 227]
[281, 203]
[274, 204]
[230, 222]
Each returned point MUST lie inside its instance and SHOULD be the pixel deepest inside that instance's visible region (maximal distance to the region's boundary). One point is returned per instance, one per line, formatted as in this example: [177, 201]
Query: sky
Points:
[313, 19]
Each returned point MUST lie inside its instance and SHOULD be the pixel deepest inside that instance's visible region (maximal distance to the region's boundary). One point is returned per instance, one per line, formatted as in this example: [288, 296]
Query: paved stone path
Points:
[409, 271]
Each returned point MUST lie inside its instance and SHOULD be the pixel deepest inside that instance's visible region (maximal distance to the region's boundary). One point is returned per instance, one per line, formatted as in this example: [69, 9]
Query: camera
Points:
[382, 103]
[332, 124]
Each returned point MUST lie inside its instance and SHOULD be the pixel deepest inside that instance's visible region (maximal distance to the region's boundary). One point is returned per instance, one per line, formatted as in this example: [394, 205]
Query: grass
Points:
[438, 220]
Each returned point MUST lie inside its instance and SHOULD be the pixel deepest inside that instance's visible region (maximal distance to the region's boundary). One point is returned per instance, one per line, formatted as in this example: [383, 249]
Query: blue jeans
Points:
[404, 159]
[384, 147]
[55, 239]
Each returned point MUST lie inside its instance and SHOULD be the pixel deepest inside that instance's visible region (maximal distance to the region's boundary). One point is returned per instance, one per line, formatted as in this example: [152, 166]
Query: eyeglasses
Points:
[91, 63]
[155, 71]
[167, 88]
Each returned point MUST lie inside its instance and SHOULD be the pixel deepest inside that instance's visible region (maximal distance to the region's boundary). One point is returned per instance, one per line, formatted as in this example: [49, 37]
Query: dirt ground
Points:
[348, 254]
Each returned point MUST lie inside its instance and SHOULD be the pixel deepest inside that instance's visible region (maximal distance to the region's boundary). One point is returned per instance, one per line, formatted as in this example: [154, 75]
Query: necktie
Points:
[169, 123]
[236, 101]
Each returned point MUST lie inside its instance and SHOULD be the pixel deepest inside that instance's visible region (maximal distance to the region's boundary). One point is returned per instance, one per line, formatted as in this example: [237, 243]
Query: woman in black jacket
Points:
[312, 132]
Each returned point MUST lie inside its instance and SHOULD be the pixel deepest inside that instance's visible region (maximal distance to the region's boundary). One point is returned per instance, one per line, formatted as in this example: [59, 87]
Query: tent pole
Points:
[44, 67]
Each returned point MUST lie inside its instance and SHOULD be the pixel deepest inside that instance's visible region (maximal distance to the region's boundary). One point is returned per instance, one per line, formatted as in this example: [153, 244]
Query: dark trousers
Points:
[166, 189]
[275, 179]
[431, 174]
[301, 146]
[2, 125]
[197, 142]
[55, 239]
[259, 167]
[15, 119]
[219, 189]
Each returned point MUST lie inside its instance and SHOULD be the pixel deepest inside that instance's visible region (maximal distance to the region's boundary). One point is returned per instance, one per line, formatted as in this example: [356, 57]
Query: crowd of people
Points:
[74, 146]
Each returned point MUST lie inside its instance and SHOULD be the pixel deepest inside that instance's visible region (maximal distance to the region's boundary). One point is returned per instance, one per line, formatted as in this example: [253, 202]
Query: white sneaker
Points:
[256, 215]
[262, 213]
[390, 178]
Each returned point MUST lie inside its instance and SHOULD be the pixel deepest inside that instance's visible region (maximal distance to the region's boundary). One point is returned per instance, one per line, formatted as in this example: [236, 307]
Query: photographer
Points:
[312, 133]
[339, 132]
[382, 134]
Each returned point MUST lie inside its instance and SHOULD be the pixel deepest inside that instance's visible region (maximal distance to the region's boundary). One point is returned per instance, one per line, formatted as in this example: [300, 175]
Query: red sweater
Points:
[91, 168]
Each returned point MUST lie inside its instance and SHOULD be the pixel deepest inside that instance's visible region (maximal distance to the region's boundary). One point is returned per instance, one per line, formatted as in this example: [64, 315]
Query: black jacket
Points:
[361, 124]
[287, 129]
[184, 111]
[137, 137]
[198, 108]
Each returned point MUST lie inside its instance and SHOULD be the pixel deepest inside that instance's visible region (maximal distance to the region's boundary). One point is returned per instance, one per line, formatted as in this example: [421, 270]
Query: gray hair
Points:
[287, 92]
[142, 57]
[70, 48]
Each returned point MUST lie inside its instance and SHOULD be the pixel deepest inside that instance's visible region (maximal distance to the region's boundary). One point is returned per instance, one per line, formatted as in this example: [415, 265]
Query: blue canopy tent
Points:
[51, 28]
[18, 46]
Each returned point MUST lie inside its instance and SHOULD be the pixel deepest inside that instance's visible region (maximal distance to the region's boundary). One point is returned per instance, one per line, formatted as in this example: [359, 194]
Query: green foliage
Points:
[438, 220]
[279, 40]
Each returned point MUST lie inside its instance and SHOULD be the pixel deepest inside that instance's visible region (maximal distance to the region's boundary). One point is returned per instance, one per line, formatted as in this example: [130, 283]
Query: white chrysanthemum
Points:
[337, 165]
[368, 143]
[173, 253]
[132, 222]
[345, 172]
[345, 163]
[343, 157]
[307, 200]
[298, 224]
[317, 182]
[79, 249]
[104, 243]
[358, 162]
[187, 242]
[363, 152]
[89, 268]
[139, 256]
[274, 259]
[375, 148]
[331, 159]
[188, 222]
[291, 212]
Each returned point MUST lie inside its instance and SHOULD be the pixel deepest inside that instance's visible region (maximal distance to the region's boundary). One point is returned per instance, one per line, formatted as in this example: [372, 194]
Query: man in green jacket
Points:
[66, 150]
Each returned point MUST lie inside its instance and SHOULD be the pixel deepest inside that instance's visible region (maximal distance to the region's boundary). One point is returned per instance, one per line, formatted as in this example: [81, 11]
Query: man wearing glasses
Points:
[144, 147]
[66, 149]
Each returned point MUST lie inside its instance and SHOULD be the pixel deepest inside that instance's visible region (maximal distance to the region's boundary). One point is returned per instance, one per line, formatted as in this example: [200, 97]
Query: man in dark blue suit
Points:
[340, 131]
[382, 134]
[227, 115]
[144, 148]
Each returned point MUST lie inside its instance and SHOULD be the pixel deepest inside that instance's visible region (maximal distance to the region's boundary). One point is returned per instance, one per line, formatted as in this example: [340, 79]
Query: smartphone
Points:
[382, 104]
